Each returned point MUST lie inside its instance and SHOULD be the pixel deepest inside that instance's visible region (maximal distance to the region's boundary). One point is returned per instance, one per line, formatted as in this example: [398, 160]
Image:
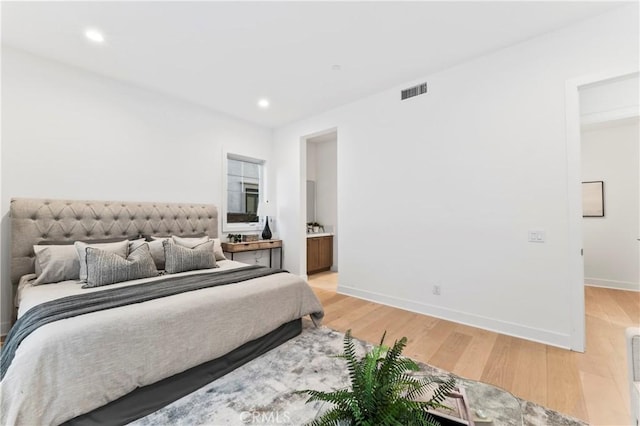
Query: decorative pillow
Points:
[120, 248]
[157, 249]
[157, 252]
[192, 242]
[134, 244]
[105, 267]
[217, 249]
[189, 242]
[180, 259]
[55, 264]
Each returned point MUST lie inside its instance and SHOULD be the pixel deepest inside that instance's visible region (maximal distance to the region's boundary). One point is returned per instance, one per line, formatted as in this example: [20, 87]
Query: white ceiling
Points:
[227, 55]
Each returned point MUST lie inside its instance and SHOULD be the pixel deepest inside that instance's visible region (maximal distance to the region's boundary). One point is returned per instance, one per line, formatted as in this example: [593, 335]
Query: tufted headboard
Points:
[35, 220]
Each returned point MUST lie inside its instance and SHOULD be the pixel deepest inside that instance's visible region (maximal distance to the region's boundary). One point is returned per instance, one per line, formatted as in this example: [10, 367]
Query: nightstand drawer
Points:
[270, 244]
[238, 247]
[253, 246]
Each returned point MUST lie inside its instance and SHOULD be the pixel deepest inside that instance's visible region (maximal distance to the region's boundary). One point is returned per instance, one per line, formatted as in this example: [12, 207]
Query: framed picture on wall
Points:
[593, 199]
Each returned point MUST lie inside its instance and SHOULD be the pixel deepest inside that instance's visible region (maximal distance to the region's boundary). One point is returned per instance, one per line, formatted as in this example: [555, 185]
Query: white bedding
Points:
[29, 295]
[72, 366]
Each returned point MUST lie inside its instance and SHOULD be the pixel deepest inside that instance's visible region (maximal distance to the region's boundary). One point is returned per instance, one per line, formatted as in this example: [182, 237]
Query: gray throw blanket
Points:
[80, 304]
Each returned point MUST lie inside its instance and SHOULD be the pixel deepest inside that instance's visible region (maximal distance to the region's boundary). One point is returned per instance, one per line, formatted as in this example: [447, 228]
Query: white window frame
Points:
[238, 227]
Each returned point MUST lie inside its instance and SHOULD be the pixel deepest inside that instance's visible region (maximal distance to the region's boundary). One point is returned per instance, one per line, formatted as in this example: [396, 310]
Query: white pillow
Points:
[157, 251]
[55, 264]
[217, 249]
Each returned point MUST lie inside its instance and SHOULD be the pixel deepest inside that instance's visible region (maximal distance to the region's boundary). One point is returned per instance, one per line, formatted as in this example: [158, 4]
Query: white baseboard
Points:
[503, 327]
[618, 285]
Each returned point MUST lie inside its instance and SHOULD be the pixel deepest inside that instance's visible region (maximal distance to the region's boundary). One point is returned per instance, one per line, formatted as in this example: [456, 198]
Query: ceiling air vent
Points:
[413, 91]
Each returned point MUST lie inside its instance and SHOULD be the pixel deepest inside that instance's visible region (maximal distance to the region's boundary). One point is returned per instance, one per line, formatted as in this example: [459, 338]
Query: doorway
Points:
[591, 106]
[322, 207]
[610, 162]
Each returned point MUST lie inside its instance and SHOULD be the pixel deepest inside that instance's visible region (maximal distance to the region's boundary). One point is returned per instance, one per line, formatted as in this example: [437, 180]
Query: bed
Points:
[117, 364]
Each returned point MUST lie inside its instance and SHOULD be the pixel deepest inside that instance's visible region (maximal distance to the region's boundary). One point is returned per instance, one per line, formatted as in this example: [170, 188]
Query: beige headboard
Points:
[34, 220]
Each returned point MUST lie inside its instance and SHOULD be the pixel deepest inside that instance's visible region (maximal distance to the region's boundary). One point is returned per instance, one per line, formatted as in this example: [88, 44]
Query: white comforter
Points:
[72, 366]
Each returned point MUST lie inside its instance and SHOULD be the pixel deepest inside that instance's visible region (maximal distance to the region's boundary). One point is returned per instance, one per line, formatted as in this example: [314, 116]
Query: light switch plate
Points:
[537, 236]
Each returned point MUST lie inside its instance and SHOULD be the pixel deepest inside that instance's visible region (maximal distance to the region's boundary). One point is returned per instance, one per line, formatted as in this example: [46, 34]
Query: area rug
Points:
[262, 392]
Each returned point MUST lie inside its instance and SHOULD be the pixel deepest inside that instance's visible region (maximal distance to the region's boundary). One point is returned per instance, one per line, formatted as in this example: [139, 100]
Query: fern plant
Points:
[382, 391]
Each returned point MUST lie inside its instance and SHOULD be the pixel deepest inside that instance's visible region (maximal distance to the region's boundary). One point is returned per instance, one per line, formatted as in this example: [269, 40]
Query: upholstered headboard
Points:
[35, 220]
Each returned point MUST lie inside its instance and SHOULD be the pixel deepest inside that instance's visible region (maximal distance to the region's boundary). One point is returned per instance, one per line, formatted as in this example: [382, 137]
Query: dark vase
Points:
[266, 233]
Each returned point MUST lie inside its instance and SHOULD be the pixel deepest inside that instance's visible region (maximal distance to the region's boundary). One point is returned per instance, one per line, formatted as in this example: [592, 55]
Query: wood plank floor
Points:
[591, 386]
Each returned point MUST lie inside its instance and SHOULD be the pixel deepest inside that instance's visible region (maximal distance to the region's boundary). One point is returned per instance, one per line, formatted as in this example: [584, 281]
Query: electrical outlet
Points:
[436, 290]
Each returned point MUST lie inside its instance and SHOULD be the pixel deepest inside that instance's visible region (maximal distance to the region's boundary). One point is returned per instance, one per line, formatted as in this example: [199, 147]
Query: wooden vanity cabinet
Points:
[319, 254]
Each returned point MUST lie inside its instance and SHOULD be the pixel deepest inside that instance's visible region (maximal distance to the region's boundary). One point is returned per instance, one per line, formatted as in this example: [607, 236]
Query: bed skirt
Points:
[147, 399]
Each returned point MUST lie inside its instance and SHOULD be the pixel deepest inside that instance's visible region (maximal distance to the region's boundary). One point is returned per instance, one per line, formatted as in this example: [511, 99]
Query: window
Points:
[244, 185]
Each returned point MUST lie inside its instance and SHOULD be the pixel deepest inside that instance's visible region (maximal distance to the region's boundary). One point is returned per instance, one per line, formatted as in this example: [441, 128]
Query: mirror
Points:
[244, 186]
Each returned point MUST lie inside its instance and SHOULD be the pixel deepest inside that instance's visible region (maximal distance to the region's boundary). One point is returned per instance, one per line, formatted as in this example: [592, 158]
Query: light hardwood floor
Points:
[592, 386]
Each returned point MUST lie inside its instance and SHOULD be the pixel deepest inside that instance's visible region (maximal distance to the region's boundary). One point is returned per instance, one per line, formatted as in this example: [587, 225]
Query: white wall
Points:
[311, 176]
[611, 253]
[312, 153]
[71, 134]
[460, 175]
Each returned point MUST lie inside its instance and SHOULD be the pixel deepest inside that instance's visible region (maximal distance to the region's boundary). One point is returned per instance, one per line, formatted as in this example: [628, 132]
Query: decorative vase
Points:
[266, 233]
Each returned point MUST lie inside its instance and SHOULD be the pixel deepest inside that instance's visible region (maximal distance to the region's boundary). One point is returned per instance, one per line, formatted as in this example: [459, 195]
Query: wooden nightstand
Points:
[254, 245]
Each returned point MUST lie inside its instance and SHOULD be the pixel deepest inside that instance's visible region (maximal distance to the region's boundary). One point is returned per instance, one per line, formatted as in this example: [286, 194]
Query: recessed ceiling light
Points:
[336, 67]
[263, 103]
[94, 35]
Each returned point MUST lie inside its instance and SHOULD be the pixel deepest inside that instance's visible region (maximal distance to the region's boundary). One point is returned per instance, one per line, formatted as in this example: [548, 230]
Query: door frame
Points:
[303, 192]
[577, 338]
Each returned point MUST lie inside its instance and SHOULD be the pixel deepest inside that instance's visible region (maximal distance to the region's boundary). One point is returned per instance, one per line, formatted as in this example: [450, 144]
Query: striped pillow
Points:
[120, 248]
[157, 249]
[104, 267]
[181, 259]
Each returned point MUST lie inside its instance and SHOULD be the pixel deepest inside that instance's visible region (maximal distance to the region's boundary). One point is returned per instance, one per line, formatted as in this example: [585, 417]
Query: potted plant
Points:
[234, 238]
[381, 390]
[316, 227]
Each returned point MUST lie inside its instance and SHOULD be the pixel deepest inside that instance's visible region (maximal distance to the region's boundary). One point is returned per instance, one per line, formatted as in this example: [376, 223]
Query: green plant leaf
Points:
[382, 393]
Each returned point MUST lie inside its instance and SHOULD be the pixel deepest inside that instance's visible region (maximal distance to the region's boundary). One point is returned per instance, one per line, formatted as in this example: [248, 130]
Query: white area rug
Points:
[262, 392]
